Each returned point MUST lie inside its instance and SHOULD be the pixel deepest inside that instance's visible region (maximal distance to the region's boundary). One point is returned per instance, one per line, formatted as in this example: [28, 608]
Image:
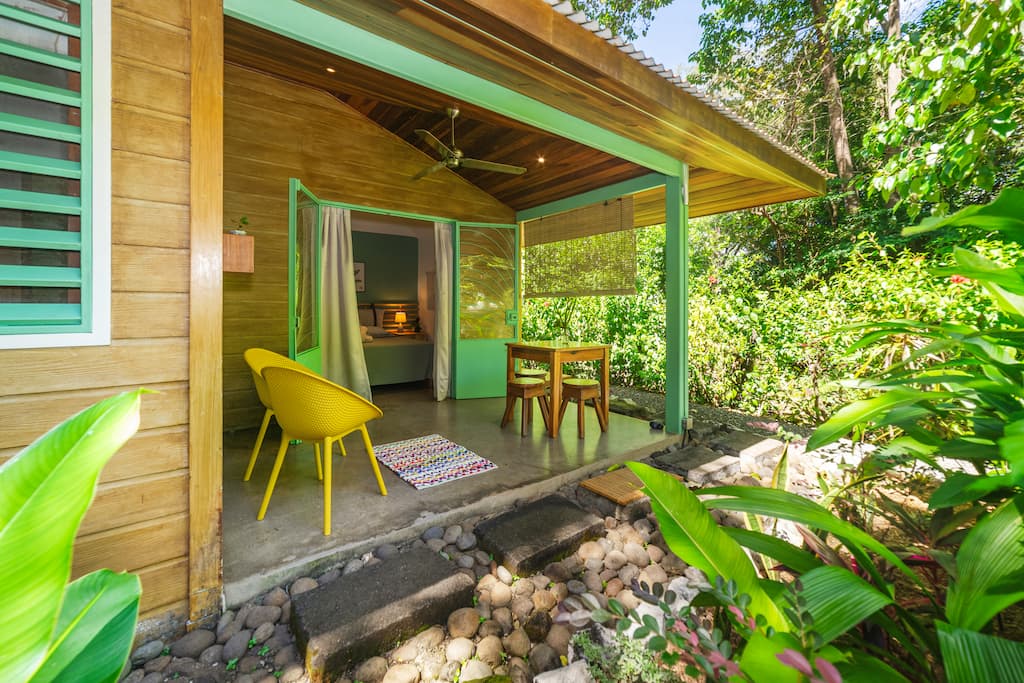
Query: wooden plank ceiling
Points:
[568, 168]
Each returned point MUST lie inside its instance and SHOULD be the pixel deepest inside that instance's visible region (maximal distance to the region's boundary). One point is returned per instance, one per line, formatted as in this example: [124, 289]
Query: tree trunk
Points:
[894, 75]
[834, 98]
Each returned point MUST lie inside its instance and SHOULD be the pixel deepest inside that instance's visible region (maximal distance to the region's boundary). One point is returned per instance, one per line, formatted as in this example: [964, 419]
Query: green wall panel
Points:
[392, 266]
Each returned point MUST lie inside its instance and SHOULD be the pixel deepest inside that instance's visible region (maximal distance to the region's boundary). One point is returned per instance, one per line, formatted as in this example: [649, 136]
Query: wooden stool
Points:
[526, 388]
[580, 390]
[532, 372]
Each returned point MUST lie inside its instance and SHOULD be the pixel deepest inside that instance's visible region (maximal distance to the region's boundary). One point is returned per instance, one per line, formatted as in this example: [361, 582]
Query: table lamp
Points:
[400, 318]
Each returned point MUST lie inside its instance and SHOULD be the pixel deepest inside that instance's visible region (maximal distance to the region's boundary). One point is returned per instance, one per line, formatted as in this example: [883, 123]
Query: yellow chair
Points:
[311, 408]
[257, 359]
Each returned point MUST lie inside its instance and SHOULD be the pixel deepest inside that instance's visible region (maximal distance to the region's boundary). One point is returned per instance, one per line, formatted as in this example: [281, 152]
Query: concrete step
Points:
[366, 612]
[527, 539]
[753, 450]
[700, 465]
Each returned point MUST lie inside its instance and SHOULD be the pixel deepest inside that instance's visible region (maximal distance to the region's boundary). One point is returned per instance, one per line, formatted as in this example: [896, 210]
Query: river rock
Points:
[264, 613]
[191, 645]
[459, 649]
[372, 670]
[463, 623]
[402, 673]
[543, 658]
[475, 670]
[517, 643]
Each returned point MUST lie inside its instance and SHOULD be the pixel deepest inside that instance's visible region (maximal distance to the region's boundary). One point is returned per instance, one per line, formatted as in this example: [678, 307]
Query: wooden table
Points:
[554, 353]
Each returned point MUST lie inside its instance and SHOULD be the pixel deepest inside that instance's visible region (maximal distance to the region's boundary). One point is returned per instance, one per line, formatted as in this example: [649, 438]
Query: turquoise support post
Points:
[677, 409]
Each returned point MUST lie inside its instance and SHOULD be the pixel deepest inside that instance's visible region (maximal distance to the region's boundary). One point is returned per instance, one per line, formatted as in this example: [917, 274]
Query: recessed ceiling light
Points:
[540, 160]
[330, 69]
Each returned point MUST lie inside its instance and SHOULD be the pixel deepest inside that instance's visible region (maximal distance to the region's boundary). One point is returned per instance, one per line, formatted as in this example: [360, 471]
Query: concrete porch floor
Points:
[288, 542]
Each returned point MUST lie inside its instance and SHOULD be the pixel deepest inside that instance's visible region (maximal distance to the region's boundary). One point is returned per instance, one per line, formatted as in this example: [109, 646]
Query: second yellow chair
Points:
[311, 408]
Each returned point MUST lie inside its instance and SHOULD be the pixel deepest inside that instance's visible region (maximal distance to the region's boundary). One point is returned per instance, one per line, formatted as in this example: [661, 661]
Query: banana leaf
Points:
[838, 600]
[859, 412]
[960, 488]
[863, 668]
[99, 611]
[1005, 214]
[781, 551]
[44, 493]
[692, 533]
[972, 657]
[798, 509]
[990, 564]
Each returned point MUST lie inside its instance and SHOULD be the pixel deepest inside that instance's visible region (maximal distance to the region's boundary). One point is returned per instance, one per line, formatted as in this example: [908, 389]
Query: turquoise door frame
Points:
[478, 362]
[309, 355]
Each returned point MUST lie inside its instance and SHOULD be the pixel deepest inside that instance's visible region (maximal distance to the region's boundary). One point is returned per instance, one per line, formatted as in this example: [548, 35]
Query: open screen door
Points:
[486, 294]
[304, 276]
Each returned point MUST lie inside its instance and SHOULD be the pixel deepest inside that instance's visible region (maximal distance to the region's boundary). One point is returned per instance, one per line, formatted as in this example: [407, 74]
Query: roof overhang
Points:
[530, 50]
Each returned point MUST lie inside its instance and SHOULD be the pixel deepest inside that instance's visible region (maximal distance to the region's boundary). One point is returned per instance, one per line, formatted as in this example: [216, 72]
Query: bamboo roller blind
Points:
[590, 251]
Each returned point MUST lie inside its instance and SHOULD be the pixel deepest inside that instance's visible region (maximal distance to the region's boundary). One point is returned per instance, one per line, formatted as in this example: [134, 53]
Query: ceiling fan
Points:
[452, 157]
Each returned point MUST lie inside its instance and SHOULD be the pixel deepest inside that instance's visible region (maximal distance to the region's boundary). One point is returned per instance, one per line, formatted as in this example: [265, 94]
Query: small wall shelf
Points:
[239, 253]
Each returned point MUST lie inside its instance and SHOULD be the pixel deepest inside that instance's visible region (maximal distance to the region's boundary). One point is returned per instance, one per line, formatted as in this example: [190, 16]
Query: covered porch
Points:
[289, 543]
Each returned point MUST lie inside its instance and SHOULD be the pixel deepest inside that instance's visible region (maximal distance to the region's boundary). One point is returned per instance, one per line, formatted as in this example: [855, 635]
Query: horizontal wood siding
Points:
[275, 130]
[138, 521]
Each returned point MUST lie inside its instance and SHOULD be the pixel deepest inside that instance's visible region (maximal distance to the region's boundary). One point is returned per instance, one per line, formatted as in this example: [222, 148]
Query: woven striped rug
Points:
[427, 461]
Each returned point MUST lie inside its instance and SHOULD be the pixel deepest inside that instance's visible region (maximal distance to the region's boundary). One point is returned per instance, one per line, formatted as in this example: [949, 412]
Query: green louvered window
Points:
[46, 157]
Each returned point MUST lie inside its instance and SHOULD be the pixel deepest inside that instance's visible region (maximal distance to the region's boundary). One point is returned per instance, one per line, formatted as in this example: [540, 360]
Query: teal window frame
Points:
[34, 325]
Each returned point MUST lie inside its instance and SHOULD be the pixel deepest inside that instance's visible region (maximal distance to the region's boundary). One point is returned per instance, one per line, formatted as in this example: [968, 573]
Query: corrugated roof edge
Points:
[581, 19]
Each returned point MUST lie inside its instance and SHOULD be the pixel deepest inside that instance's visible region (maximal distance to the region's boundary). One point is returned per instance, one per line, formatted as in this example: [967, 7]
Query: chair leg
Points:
[510, 402]
[545, 411]
[327, 485]
[259, 443]
[580, 418]
[561, 408]
[601, 419]
[319, 459]
[527, 415]
[273, 475]
[373, 461]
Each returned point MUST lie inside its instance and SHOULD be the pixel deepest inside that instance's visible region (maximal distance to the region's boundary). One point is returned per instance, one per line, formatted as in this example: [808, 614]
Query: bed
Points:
[395, 357]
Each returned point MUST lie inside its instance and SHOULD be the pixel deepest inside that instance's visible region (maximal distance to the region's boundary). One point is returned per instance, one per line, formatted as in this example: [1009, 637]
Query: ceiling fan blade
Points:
[429, 169]
[481, 165]
[429, 138]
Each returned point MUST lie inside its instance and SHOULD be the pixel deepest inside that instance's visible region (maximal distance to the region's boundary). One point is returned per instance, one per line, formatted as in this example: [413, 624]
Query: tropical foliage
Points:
[53, 630]
[824, 623]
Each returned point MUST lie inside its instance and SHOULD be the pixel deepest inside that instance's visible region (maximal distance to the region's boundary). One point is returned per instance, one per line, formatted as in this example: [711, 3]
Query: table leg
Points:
[556, 392]
[510, 367]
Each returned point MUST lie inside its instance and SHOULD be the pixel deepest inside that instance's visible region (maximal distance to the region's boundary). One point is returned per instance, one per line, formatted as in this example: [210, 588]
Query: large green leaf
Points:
[1005, 214]
[760, 659]
[95, 629]
[795, 558]
[972, 657]
[990, 568]
[44, 493]
[692, 534]
[785, 505]
[863, 668]
[838, 600]
[961, 487]
[860, 412]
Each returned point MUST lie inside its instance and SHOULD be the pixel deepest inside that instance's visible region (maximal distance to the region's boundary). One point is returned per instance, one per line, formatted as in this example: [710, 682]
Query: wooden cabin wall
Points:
[139, 519]
[275, 130]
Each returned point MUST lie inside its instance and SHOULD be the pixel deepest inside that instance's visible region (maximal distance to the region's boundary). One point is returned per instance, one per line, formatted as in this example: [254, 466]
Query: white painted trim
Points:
[101, 185]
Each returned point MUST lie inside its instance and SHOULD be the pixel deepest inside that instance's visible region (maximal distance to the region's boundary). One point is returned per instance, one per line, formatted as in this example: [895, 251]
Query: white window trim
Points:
[101, 189]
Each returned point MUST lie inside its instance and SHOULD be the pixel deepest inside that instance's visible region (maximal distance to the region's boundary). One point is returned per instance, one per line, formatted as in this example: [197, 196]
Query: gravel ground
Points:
[655, 404]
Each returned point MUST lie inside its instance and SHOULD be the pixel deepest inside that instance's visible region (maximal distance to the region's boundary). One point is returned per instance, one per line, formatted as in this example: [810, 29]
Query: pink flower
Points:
[957, 279]
[829, 673]
[719, 662]
[796, 660]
